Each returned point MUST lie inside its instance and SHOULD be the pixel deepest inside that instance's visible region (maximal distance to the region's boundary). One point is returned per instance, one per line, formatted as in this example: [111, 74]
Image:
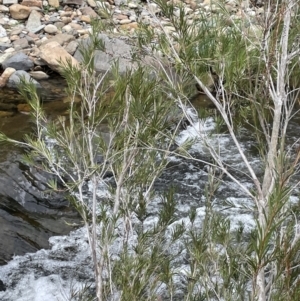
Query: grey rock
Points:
[74, 2]
[19, 61]
[21, 44]
[34, 21]
[120, 2]
[2, 32]
[9, 2]
[61, 38]
[4, 46]
[116, 49]
[15, 79]
[71, 47]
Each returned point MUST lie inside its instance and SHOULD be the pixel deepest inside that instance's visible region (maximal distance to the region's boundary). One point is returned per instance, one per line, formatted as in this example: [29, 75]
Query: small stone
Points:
[34, 22]
[67, 28]
[4, 9]
[21, 44]
[89, 11]
[91, 3]
[4, 40]
[24, 108]
[74, 2]
[9, 50]
[32, 3]
[125, 21]
[19, 12]
[66, 20]
[6, 114]
[50, 28]
[38, 75]
[72, 47]
[121, 17]
[13, 22]
[4, 46]
[132, 5]
[9, 2]
[83, 31]
[75, 26]
[5, 76]
[4, 57]
[61, 39]
[132, 26]
[16, 31]
[66, 14]
[54, 3]
[2, 32]
[86, 19]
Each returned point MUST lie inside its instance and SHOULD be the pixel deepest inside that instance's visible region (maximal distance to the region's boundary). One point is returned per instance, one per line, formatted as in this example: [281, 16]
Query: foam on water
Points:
[52, 275]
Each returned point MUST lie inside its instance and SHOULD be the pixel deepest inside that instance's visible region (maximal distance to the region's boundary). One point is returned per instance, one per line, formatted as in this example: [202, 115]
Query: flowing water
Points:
[29, 217]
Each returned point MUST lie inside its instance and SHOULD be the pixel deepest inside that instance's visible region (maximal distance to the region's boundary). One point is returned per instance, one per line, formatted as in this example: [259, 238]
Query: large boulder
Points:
[116, 49]
[19, 61]
[55, 55]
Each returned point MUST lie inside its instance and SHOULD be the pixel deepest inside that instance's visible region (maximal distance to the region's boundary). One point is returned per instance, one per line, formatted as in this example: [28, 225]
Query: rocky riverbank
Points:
[35, 33]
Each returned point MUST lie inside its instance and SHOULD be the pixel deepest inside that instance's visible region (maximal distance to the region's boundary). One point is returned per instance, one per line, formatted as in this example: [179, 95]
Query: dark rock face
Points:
[2, 286]
[19, 61]
[29, 214]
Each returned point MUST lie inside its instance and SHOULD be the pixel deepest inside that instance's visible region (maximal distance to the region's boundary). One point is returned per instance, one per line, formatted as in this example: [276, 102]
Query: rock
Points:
[73, 2]
[66, 20]
[115, 49]
[4, 9]
[4, 46]
[24, 108]
[21, 44]
[122, 22]
[91, 3]
[5, 76]
[34, 22]
[19, 12]
[61, 39]
[89, 11]
[2, 32]
[17, 31]
[19, 61]
[132, 5]
[9, 50]
[54, 3]
[55, 55]
[9, 2]
[4, 40]
[39, 75]
[15, 79]
[130, 26]
[6, 114]
[4, 57]
[50, 28]
[85, 18]
[72, 47]
[121, 17]
[32, 3]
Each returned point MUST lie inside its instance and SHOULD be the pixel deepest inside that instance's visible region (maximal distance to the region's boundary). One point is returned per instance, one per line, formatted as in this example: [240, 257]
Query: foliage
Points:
[119, 138]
